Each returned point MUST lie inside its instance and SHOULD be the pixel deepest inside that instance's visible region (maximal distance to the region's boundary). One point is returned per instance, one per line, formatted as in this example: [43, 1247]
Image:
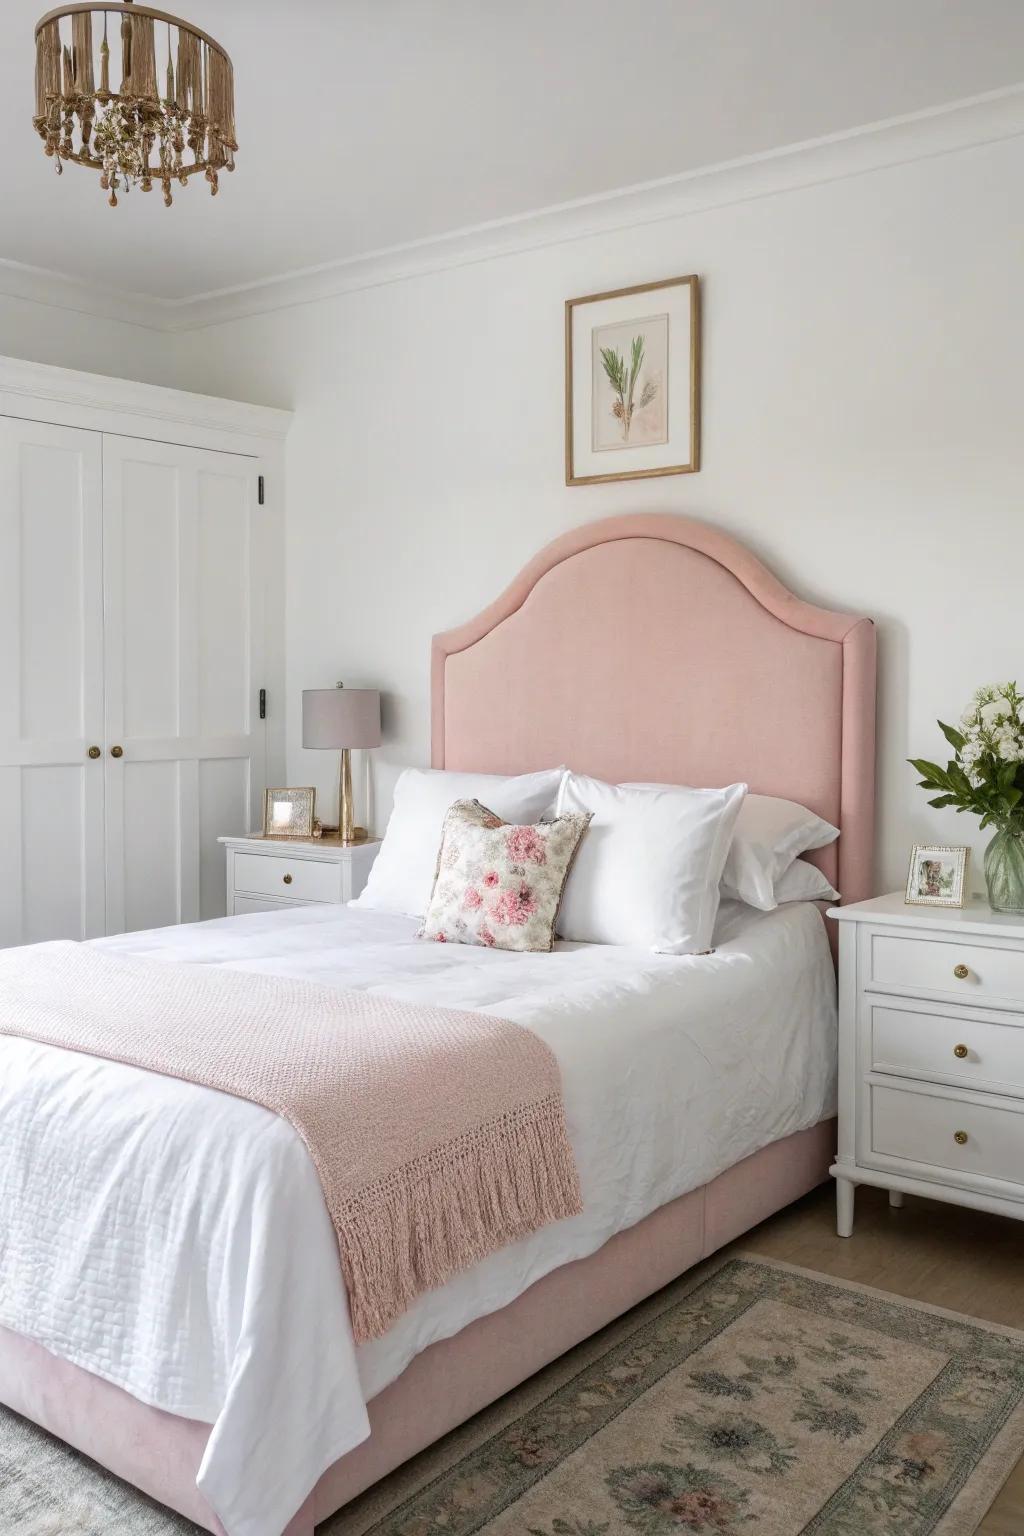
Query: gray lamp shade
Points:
[340, 717]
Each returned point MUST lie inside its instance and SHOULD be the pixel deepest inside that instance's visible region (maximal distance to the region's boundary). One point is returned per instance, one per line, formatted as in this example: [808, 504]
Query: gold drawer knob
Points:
[960, 1137]
[117, 751]
[94, 753]
[959, 1051]
[287, 879]
[961, 972]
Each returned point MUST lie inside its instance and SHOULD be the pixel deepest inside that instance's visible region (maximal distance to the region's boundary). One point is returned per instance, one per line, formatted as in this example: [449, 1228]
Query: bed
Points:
[698, 1094]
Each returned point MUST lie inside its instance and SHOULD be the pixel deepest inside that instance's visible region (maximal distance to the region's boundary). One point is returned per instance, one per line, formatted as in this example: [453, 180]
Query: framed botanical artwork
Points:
[632, 382]
[288, 812]
[937, 876]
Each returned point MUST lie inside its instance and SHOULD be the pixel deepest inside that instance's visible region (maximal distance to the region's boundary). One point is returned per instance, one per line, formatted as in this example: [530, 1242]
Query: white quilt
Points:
[175, 1241]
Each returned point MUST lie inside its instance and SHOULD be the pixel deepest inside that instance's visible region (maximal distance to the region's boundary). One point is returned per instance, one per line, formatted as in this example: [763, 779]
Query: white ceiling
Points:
[366, 124]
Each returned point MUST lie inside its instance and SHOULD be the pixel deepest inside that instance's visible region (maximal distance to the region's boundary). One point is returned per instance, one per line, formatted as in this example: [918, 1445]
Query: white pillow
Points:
[402, 876]
[648, 870]
[769, 835]
[804, 882]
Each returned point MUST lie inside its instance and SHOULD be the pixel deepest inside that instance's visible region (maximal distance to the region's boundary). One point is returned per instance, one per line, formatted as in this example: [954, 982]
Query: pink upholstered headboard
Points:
[652, 647]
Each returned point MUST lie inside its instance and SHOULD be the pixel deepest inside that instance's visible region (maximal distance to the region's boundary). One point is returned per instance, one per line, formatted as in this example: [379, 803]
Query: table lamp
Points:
[344, 718]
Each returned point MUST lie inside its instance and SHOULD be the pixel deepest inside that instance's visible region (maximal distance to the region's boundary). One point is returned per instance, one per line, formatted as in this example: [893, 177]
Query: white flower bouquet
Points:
[986, 778]
[989, 746]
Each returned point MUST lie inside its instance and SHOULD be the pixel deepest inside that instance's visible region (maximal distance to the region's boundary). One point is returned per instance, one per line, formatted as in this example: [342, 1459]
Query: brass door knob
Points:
[960, 1051]
[960, 1137]
[117, 751]
[961, 972]
[287, 879]
[94, 753]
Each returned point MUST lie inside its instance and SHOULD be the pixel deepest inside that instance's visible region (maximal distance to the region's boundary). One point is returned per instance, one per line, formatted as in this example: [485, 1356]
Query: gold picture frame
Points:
[601, 385]
[937, 876]
[289, 813]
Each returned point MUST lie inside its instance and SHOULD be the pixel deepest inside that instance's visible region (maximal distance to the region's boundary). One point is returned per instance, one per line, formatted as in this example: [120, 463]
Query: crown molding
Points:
[25, 387]
[947, 129]
[941, 130]
[38, 285]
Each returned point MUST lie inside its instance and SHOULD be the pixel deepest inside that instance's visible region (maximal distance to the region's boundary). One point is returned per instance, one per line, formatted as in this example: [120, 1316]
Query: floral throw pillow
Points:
[498, 884]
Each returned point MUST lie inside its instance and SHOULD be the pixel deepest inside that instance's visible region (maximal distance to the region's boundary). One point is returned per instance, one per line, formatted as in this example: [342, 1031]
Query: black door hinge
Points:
[263, 703]
[261, 491]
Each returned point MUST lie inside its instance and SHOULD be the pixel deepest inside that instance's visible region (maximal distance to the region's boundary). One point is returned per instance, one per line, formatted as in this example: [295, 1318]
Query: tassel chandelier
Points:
[131, 134]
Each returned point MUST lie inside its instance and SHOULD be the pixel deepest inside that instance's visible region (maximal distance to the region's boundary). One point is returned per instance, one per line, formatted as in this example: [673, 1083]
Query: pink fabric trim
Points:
[652, 647]
[155, 1451]
[448, 1382]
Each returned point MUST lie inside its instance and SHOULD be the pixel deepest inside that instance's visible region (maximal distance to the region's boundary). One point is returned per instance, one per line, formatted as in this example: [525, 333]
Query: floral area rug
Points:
[760, 1398]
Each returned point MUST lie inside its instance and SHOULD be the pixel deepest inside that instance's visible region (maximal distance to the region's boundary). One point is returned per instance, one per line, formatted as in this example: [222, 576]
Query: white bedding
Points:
[174, 1240]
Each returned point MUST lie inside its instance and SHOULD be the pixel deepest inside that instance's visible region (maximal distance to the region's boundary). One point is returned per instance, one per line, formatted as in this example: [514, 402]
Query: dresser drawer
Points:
[920, 1128]
[962, 1049]
[971, 972]
[243, 905]
[297, 879]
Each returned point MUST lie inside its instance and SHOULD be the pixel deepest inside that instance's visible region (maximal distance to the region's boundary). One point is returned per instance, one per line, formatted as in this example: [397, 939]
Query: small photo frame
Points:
[937, 876]
[289, 812]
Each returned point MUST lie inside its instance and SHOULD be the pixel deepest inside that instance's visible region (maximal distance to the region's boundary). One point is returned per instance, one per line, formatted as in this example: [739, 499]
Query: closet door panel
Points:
[145, 541]
[223, 802]
[183, 620]
[10, 841]
[51, 538]
[52, 816]
[51, 701]
[150, 810]
[224, 603]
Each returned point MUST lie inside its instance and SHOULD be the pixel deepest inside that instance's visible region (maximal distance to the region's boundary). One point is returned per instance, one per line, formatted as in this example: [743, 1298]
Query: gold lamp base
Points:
[348, 832]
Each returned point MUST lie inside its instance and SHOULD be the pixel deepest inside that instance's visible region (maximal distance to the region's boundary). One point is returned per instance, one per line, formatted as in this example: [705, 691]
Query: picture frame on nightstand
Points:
[937, 876]
[289, 812]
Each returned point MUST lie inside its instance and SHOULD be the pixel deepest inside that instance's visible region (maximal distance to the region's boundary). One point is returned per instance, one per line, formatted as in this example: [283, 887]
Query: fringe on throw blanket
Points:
[425, 1222]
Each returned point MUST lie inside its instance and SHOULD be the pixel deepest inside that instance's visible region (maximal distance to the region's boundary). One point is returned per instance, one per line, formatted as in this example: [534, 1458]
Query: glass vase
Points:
[1004, 869]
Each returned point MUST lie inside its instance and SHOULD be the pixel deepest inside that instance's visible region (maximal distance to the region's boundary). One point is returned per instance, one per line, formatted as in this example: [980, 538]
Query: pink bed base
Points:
[451, 1380]
[646, 647]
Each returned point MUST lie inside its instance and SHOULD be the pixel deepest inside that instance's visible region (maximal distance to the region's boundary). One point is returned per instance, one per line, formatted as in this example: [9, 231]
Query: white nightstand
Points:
[931, 1055]
[269, 872]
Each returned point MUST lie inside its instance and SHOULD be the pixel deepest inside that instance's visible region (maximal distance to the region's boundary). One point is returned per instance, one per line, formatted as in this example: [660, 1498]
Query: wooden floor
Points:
[931, 1252]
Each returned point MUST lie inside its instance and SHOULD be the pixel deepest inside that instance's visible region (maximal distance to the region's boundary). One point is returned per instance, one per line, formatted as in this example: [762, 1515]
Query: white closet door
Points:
[183, 626]
[51, 683]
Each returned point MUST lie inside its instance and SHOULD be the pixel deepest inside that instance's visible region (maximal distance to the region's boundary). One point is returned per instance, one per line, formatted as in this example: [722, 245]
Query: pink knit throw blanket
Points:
[439, 1136]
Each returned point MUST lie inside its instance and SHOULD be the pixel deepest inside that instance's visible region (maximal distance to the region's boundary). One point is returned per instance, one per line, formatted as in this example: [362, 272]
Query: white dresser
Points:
[931, 1055]
[268, 872]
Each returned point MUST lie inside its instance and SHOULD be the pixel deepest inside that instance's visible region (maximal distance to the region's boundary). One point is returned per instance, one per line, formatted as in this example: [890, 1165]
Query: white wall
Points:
[42, 333]
[862, 432]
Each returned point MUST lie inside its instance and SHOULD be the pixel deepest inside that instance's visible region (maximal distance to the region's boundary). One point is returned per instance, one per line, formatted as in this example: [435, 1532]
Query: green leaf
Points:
[615, 368]
[930, 772]
[942, 801]
[955, 738]
[958, 780]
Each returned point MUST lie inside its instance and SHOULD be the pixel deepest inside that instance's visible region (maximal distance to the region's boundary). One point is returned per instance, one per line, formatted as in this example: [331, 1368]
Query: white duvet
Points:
[174, 1240]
